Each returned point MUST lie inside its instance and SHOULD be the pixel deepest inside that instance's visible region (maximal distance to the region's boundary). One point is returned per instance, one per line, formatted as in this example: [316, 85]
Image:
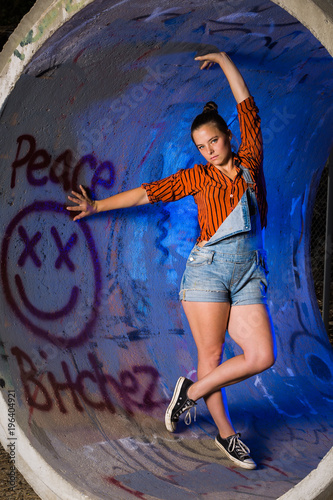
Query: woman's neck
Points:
[228, 168]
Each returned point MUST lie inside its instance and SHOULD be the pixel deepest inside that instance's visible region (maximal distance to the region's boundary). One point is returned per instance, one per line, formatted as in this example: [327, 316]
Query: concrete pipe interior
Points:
[93, 337]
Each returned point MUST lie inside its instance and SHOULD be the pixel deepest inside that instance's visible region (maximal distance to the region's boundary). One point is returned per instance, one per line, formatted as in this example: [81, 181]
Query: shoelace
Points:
[188, 418]
[188, 406]
[236, 444]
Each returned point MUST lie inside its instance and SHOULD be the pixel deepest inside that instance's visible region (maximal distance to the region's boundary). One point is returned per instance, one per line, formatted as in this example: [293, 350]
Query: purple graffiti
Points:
[37, 327]
[85, 160]
[65, 160]
[63, 251]
[135, 387]
[46, 315]
[29, 247]
[62, 171]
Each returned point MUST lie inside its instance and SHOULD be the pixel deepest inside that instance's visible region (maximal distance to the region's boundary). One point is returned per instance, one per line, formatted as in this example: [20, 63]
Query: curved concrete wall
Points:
[93, 337]
[47, 16]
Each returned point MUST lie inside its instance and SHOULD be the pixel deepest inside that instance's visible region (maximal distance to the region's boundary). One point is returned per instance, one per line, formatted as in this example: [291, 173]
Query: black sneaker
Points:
[236, 450]
[179, 403]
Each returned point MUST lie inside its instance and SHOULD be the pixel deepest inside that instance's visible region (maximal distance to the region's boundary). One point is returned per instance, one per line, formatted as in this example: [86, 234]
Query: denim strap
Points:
[247, 176]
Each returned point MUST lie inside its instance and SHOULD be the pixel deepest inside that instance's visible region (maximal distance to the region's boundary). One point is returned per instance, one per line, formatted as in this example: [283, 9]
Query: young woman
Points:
[225, 280]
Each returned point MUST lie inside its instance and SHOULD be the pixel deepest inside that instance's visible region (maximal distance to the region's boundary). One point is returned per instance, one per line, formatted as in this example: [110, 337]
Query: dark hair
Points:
[209, 115]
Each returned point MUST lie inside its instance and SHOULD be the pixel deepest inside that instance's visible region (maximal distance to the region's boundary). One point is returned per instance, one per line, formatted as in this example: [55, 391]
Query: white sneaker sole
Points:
[244, 465]
[169, 424]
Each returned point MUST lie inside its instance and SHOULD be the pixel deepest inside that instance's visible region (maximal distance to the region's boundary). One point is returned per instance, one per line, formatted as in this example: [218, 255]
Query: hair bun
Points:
[209, 107]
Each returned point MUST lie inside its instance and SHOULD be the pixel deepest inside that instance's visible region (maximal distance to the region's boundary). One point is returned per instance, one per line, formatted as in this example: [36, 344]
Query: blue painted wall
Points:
[92, 324]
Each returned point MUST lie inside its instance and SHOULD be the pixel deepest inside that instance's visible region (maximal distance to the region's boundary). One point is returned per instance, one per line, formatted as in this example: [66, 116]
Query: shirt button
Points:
[191, 258]
[231, 196]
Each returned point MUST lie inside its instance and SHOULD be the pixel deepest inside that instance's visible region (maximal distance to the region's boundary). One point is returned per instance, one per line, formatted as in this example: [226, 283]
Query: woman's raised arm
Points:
[86, 206]
[235, 79]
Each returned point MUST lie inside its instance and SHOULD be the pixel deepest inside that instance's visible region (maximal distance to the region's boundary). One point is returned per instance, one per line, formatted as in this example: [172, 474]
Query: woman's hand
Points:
[85, 205]
[210, 59]
[235, 79]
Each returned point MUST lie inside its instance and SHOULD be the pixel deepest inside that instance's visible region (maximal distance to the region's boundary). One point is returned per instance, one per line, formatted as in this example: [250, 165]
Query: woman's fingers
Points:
[83, 213]
[84, 204]
[83, 191]
[82, 196]
[206, 64]
[212, 56]
[81, 205]
[74, 200]
[76, 208]
[79, 198]
[209, 59]
[78, 195]
[80, 216]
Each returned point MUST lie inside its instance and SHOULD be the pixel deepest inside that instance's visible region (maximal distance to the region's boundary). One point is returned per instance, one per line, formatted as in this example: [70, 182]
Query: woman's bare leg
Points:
[250, 327]
[208, 322]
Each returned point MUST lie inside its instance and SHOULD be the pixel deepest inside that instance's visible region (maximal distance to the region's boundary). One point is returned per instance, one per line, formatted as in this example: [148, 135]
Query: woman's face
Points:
[213, 144]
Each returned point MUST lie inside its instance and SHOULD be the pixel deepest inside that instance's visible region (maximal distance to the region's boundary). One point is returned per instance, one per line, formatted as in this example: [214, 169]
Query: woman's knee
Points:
[208, 359]
[261, 361]
[268, 360]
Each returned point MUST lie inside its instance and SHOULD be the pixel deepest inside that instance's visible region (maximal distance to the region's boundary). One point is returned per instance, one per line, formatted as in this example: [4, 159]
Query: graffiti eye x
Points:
[30, 251]
[64, 250]
[29, 247]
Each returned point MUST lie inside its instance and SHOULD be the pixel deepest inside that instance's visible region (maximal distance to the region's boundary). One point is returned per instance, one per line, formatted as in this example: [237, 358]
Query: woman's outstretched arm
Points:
[235, 79]
[86, 206]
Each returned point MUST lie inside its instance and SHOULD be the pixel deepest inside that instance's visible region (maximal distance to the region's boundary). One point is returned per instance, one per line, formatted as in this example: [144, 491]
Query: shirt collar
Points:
[237, 163]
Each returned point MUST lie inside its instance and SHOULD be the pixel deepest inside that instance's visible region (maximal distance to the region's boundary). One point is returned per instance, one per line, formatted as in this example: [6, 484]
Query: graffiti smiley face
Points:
[51, 273]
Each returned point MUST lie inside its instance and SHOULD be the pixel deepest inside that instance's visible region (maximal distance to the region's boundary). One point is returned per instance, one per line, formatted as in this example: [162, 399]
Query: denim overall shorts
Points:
[231, 266]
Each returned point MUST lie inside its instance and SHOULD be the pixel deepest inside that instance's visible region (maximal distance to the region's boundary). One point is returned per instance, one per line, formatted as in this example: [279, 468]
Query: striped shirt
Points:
[215, 194]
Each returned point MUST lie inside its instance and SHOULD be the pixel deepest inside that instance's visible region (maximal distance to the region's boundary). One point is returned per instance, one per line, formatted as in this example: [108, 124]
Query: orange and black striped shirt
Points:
[215, 194]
